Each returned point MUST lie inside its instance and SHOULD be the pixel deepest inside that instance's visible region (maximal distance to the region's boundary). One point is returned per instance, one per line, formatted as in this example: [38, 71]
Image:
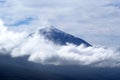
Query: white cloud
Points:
[9, 39]
[84, 18]
[43, 51]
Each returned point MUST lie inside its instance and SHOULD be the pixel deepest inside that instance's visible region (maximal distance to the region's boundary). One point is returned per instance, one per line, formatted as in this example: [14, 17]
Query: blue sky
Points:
[98, 22]
[21, 22]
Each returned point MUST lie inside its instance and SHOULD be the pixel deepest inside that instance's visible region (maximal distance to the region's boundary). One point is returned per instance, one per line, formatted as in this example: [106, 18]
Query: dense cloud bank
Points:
[43, 51]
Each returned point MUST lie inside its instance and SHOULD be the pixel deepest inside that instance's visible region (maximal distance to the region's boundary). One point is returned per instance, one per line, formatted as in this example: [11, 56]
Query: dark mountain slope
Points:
[60, 37]
[21, 69]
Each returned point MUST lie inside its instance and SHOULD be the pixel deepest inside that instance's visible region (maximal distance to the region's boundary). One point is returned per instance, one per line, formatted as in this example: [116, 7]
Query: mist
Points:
[40, 50]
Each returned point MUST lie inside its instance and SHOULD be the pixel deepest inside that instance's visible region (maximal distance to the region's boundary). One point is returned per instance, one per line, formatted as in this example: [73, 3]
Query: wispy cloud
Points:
[26, 21]
[82, 18]
[17, 44]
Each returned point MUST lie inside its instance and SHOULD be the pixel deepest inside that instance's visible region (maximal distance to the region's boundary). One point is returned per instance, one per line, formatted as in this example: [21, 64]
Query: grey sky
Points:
[96, 21]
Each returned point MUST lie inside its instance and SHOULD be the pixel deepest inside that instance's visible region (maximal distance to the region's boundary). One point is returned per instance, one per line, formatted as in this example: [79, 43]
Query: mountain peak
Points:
[50, 29]
[59, 37]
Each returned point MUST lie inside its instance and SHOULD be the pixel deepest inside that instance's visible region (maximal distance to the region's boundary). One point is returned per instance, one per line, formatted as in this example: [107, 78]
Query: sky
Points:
[43, 51]
[96, 21]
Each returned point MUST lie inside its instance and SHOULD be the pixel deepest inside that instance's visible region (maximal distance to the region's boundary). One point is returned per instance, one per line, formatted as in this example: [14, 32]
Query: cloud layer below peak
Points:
[40, 50]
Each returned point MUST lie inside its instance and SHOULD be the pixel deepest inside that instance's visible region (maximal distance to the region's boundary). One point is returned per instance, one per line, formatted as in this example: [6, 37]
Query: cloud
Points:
[82, 18]
[44, 51]
[9, 39]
